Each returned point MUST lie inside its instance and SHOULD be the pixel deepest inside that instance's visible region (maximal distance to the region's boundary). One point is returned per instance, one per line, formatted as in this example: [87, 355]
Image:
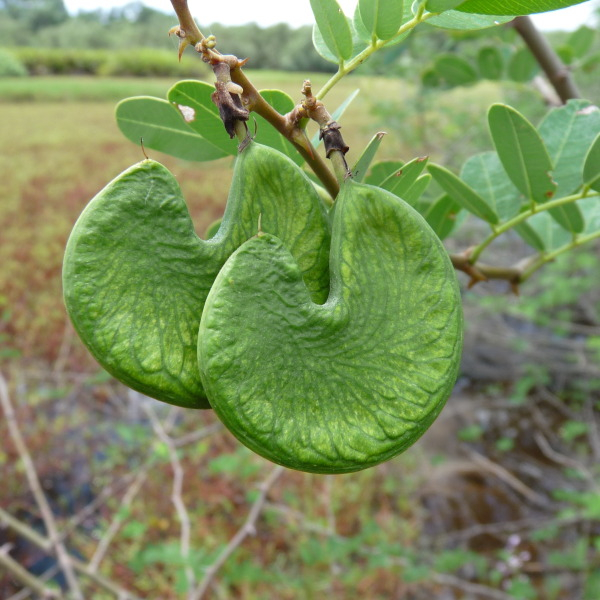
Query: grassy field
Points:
[428, 524]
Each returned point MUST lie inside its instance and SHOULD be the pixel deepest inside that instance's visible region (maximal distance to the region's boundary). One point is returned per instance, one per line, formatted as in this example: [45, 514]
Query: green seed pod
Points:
[345, 385]
[136, 275]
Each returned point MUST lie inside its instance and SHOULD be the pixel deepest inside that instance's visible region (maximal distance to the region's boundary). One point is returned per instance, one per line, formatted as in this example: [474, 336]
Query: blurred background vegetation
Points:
[501, 498]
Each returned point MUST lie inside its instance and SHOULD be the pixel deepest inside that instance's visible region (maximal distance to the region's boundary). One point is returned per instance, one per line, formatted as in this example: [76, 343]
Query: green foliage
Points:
[188, 125]
[35, 14]
[591, 167]
[514, 7]
[139, 62]
[10, 65]
[462, 194]
[522, 153]
[382, 18]
[508, 58]
[333, 28]
[508, 188]
[454, 70]
[157, 124]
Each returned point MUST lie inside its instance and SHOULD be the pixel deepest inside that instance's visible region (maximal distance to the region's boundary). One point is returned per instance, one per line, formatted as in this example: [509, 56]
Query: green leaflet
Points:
[342, 386]
[522, 66]
[453, 19]
[591, 167]
[404, 178]
[193, 99]
[358, 45]
[441, 216]
[454, 70]
[333, 28]
[463, 194]
[522, 153]
[581, 41]
[381, 18]
[136, 275]
[366, 158]
[485, 174]
[441, 5]
[158, 125]
[490, 63]
[361, 32]
[568, 131]
[514, 7]
[381, 170]
[530, 236]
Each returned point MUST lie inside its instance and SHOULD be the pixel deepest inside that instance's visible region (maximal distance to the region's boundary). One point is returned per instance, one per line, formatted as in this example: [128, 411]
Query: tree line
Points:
[47, 24]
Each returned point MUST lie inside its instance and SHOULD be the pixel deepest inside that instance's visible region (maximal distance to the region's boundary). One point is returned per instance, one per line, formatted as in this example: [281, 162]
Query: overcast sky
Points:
[297, 12]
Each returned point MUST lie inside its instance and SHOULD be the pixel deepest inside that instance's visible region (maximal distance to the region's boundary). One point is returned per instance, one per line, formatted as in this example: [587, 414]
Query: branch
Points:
[559, 76]
[45, 544]
[498, 230]
[23, 575]
[38, 492]
[115, 525]
[128, 497]
[289, 129]
[483, 272]
[176, 493]
[27, 592]
[190, 35]
[360, 58]
[248, 528]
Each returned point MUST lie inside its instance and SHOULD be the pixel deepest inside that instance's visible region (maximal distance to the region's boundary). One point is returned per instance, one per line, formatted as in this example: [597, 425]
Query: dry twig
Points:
[176, 494]
[40, 497]
[508, 478]
[248, 528]
[24, 576]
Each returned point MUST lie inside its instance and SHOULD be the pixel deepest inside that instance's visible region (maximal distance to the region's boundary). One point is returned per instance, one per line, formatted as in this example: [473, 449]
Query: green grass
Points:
[78, 89]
